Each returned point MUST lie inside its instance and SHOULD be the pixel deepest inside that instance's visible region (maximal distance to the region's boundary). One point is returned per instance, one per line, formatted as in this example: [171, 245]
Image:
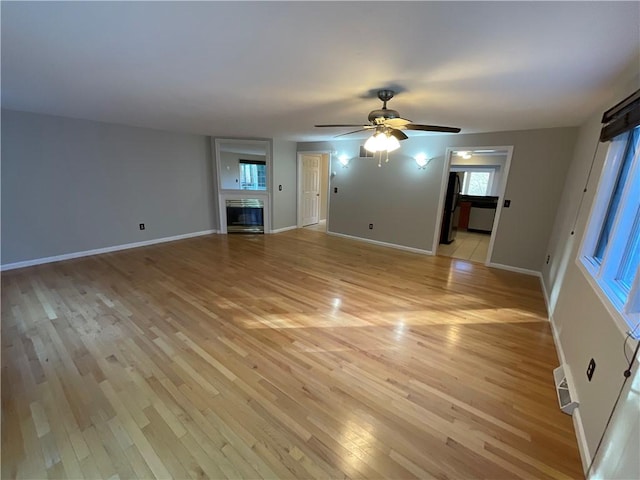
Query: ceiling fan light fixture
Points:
[381, 142]
[387, 121]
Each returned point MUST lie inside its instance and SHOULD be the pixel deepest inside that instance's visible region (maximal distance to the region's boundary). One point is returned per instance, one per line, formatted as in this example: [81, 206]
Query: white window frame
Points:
[467, 181]
[254, 173]
[464, 169]
[602, 275]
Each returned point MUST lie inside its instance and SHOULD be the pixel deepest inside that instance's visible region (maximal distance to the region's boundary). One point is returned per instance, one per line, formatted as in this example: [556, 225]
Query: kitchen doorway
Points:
[473, 185]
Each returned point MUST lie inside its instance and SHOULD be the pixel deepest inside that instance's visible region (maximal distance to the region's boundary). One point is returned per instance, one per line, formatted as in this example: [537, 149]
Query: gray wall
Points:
[72, 185]
[584, 326]
[402, 201]
[284, 173]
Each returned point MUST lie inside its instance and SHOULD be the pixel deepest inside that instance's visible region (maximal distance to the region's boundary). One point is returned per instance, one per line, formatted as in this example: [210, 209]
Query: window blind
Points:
[621, 118]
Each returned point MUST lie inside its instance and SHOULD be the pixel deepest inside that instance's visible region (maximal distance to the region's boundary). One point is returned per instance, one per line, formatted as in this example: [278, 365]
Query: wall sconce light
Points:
[421, 160]
[344, 160]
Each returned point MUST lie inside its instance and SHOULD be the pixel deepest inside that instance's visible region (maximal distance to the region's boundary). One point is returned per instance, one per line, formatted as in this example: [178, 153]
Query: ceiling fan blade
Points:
[355, 131]
[342, 125]
[431, 128]
[396, 122]
[399, 134]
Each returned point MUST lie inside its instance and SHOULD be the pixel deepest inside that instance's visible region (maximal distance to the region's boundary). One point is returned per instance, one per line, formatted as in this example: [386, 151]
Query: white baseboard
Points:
[383, 244]
[556, 340]
[578, 428]
[284, 229]
[583, 447]
[97, 251]
[526, 271]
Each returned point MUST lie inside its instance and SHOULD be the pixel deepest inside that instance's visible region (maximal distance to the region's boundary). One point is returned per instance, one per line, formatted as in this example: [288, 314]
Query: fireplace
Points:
[245, 216]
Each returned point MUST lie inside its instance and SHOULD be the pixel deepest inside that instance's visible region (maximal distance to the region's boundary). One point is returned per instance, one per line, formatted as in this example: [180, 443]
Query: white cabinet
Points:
[481, 219]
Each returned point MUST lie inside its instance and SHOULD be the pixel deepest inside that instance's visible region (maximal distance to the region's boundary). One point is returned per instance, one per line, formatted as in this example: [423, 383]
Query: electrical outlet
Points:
[507, 203]
[371, 226]
[280, 188]
[142, 226]
[548, 258]
[591, 368]
[335, 189]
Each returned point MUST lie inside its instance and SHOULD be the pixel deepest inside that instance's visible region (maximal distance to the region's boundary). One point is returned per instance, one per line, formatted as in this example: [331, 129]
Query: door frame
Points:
[299, 202]
[443, 192]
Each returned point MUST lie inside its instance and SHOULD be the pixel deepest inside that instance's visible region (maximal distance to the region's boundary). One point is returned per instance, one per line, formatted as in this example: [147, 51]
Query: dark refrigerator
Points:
[448, 232]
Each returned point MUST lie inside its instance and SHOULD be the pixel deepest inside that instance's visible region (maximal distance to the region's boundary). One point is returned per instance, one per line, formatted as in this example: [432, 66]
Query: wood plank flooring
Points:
[296, 355]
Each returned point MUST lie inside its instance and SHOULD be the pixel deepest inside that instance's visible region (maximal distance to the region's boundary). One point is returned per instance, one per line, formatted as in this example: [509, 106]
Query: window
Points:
[253, 175]
[477, 183]
[477, 180]
[611, 248]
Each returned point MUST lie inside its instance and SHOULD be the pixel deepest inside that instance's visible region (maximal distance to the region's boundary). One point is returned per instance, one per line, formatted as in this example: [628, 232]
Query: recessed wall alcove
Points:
[243, 170]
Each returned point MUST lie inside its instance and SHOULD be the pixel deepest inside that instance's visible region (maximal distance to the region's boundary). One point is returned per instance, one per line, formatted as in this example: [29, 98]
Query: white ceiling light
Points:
[382, 142]
[464, 154]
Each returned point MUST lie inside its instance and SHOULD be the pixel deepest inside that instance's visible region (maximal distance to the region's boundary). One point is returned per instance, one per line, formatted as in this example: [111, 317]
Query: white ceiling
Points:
[274, 69]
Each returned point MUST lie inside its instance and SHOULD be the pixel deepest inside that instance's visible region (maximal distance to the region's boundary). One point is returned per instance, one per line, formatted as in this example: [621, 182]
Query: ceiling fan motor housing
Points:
[384, 113]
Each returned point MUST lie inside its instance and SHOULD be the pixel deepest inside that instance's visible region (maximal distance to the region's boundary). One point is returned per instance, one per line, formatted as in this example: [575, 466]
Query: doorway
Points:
[313, 188]
[473, 185]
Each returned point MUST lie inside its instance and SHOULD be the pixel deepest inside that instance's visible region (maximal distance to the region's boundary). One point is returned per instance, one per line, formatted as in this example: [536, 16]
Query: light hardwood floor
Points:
[296, 355]
[321, 226]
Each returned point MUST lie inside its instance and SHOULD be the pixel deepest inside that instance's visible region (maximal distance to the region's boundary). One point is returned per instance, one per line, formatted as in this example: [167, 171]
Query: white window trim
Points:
[595, 273]
[624, 321]
[610, 169]
[490, 170]
[255, 185]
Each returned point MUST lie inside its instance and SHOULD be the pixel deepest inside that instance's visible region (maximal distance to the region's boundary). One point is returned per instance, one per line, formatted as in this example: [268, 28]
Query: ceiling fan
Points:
[389, 122]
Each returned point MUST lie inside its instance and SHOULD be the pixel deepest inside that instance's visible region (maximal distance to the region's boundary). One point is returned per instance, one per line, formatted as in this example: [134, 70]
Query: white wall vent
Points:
[566, 396]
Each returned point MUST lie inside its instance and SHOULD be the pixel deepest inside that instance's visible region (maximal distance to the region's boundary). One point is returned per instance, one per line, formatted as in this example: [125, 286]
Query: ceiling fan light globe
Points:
[392, 143]
[376, 142]
[371, 144]
[382, 142]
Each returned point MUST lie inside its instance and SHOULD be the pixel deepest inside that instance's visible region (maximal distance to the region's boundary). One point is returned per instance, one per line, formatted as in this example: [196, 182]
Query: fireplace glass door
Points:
[245, 216]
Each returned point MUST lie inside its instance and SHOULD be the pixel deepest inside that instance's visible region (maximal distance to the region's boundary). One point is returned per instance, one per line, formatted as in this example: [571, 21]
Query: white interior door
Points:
[310, 188]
